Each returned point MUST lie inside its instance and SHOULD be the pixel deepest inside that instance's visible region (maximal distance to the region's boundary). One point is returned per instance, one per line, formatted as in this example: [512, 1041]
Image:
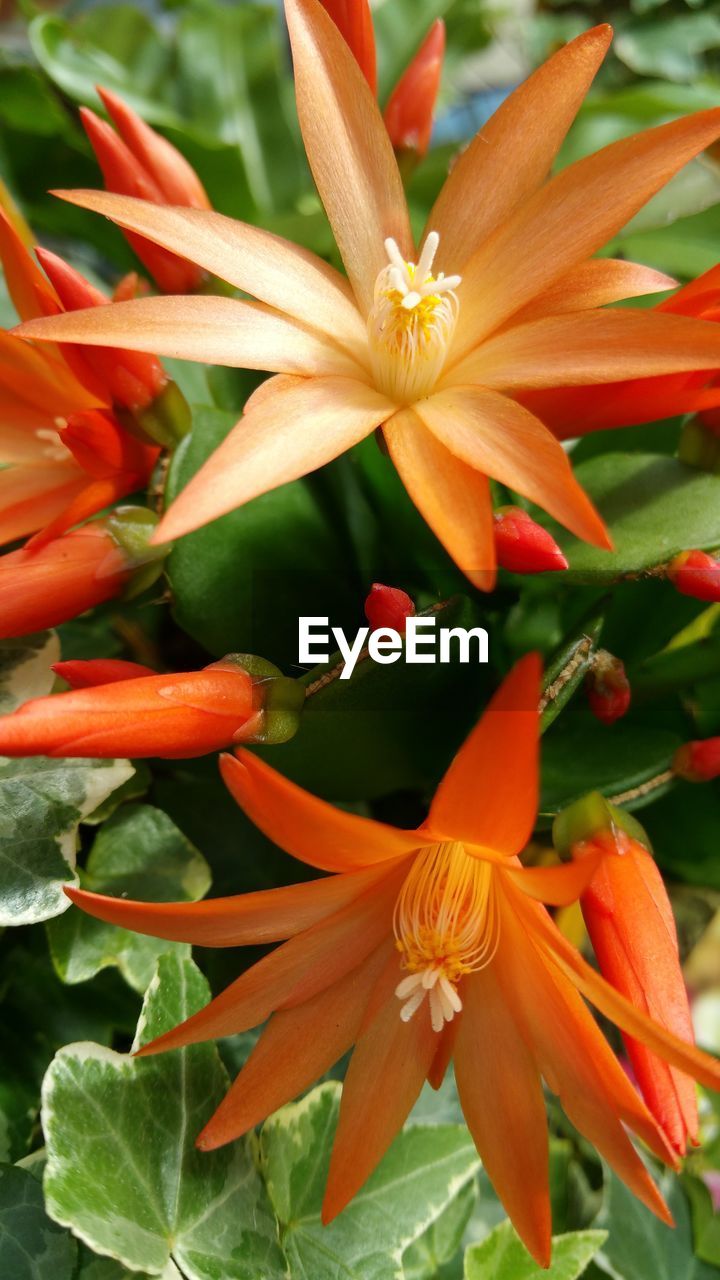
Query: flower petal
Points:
[32, 496]
[489, 795]
[502, 1100]
[452, 497]
[309, 828]
[282, 437]
[246, 919]
[558, 886]
[385, 1076]
[348, 147]
[592, 347]
[568, 219]
[269, 268]
[511, 155]
[502, 439]
[594, 283]
[297, 1047]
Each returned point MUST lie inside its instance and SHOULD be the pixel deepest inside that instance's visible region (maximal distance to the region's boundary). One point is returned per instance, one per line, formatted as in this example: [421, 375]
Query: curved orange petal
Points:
[297, 1047]
[309, 828]
[499, 437]
[246, 919]
[591, 347]
[594, 283]
[575, 213]
[296, 971]
[281, 438]
[212, 330]
[282, 274]
[489, 795]
[32, 496]
[511, 155]
[502, 1100]
[558, 886]
[348, 147]
[386, 1073]
[451, 496]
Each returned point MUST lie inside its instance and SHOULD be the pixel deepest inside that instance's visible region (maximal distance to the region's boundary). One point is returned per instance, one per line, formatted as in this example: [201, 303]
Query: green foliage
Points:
[502, 1256]
[31, 1246]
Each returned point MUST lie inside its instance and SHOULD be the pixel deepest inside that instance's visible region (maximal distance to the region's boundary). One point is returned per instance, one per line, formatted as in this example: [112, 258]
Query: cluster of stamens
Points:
[50, 438]
[411, 323]
[446, 926]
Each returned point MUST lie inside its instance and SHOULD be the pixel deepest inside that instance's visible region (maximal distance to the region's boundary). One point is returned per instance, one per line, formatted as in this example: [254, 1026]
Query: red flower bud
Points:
[86, 674]
[132, 378]
[409, 111]
[524, 546]
[632, 929]
[698, 761]
[695, 573]
[388, 607]
[608, 688]
[176, 180]
[353, 20]
[125, 174]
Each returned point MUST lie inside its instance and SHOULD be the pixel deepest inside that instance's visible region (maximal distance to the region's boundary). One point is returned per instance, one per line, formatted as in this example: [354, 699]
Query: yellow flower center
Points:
[411, 323]
[446, 925]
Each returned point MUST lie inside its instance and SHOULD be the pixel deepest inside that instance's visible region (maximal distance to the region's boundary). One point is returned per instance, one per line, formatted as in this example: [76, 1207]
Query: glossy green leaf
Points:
[639, 1245]
[501, 1256]
[31, 1246]
[669, 46]
[432, 1255]
[122, 1170]
[139, 853]
[612, 759]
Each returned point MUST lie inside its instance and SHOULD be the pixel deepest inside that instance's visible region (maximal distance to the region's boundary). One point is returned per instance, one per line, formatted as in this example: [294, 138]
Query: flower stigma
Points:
[446, 926]
[411, 323]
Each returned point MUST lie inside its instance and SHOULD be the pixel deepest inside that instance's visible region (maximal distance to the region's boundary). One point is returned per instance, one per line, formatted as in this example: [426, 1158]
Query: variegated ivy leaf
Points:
[31, 1246]
[502, 1256]
[26, 668]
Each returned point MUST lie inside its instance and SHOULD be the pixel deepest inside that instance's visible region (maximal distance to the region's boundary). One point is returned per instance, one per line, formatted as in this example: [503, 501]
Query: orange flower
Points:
[423, 946]
[436, 346]
[632, 929]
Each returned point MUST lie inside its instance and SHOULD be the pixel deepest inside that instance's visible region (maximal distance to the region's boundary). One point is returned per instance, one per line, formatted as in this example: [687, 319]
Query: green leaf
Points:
[42, 803]
[31, 1246]
[693, 860]
[139, 853]
[501, 1256]
[668, 46]
[122, 1169]
[639, 1245]
[25, 668]
[436, 1248]
[612, 759]
[654, 506]
[424, 1170]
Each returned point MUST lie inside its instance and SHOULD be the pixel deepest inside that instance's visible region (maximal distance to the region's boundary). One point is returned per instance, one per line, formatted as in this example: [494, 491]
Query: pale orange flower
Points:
[423, 946]
[435, 344]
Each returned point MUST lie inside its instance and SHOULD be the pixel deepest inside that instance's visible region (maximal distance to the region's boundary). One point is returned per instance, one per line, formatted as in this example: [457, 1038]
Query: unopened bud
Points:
[278, 700]
[594, 816]
[522, 545]
[608, 688]
[388, 607]
[353, 20]
[696, 574]
[409, 112]
[698, 761]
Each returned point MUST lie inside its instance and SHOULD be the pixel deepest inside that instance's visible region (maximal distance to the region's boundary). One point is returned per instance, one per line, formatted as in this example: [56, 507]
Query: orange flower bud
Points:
[126, 174]
[608, 688]
[353, 20]
[632, 930]
[695, 573]
[81, 674]
[522, 545]
[388, 607]
[698, 761]
[175, 178]
[132, 378]
[409, 111]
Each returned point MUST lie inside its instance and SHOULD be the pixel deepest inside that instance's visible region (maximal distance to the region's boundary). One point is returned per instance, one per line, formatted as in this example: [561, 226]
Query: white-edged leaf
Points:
[501, 1256]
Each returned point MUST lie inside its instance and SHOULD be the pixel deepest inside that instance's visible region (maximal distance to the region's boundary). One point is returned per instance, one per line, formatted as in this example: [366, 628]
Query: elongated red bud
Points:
[81, 674]
[124, 174]
[132, 378]
[698, 761]
[388, 607]
[171, 716]
[631, 926]
[696, 574]
[608, 688]
[353, 19]
[522, 545]
[410, 107]
[176, 180]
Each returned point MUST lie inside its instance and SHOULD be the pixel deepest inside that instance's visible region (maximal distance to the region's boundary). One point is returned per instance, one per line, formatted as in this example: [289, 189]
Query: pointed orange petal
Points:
[281, 438]
[296, 971]
[592, 347]
[212, 330]
[32, 496]
[511, 155]
[247, 919]
[502, 1100]
[309, 828]
[385, 1076]
[594, 283]
[297, 1047]
[488, 796]
[269, 268]
[501, 438]
[348, 147]
[453, 497]
[569, 218]
[30, 292]
[558, 886]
